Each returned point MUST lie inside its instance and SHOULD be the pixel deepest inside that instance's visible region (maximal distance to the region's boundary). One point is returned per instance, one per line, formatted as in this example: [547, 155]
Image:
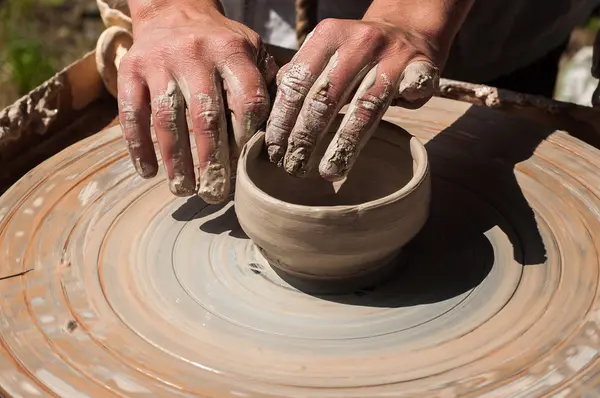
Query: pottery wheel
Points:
[111, 286]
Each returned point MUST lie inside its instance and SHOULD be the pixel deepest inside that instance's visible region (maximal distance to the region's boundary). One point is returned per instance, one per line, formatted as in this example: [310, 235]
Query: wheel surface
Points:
[111, 286]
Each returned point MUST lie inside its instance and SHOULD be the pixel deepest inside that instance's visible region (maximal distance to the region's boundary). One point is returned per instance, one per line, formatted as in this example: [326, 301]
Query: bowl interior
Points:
[384, 166]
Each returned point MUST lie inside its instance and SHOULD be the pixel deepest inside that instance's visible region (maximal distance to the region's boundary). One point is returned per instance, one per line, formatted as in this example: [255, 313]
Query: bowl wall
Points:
[308, 227]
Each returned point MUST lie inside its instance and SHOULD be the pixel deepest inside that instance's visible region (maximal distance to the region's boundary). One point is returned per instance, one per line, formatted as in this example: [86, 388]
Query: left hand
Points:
[386, 61]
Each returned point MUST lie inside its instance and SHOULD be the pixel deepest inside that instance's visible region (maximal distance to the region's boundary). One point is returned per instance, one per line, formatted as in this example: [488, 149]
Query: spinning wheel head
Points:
[134, 292]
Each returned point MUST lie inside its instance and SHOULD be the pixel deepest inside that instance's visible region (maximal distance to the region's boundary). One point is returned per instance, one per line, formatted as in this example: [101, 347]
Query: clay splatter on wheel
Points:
[134, 292]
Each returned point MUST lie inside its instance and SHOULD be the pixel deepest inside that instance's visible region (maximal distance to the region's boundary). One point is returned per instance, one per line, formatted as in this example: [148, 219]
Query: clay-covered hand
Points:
[188, 55]
[392, 54]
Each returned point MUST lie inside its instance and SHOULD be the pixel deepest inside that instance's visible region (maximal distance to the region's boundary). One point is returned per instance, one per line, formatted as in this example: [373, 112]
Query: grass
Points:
[40, 37]
[26, 61]
[593, 24]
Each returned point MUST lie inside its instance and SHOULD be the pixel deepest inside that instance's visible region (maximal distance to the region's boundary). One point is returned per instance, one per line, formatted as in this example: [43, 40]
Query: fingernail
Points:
[214, 184]
[145, 170]
[275, 154]
[181, 185]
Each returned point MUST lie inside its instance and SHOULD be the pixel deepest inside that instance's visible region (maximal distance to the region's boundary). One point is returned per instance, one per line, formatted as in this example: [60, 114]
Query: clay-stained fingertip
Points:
[182, 186]
[214, 184]
[145, 169]
[332, 172]
[419, 83]
[275, 153]
[295, 163]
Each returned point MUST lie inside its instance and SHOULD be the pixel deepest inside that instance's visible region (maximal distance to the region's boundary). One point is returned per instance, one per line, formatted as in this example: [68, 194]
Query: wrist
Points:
[435, 21]
[144, 10]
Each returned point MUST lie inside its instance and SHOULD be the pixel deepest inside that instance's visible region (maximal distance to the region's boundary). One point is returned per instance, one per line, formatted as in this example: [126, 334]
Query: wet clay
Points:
[131, 291]
[382, 169]
[30, 114]
[316, 229]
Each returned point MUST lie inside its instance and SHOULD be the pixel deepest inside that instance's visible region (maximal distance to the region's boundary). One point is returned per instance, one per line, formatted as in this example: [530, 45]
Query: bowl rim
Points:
[417, 152]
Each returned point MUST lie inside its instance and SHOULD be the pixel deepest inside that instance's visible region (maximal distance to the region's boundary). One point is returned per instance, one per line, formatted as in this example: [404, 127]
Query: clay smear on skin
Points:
[357, 127]
[134, 146]
[314, 118]
[131, 122]
[214, 172]
[288, 99]
[289, 96]
[171, 105]
[143, 169]
[243, 129]
[419, 81]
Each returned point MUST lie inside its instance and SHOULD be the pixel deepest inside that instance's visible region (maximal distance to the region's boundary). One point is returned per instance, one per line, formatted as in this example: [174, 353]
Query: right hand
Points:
[192, 57]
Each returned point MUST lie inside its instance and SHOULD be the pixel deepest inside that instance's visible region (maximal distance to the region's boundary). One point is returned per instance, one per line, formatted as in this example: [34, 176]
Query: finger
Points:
[134, 117]
[323, 102]
[247, 99]
[294, 85]
[419, 82]
[364, 113]
[207, 112]
[283, 70]
[170, 125]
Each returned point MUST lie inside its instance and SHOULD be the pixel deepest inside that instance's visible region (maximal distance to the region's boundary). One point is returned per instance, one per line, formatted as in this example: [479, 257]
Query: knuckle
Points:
[233, 44]
[131, 63]
[257, 103]
[235, 55]
[302, 139]
[293, 86]
[371, 103]
[130, 118]
[165, 113]
[193, 43]
[319, 108]
[322, 101]
[328, 26]
[369, 36]
[278, 130]
[207, 120]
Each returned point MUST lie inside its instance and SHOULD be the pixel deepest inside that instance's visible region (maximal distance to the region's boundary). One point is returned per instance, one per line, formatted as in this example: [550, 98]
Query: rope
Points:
[306, 18]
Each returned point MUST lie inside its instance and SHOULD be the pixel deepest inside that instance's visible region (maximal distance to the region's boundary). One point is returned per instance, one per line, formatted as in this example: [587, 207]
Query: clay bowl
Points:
[313, 233]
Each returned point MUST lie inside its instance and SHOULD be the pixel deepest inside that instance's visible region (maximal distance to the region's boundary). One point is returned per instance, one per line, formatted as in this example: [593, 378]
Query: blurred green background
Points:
[40, 37]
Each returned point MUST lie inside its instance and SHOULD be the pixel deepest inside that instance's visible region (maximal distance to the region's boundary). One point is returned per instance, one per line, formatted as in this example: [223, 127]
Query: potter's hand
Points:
[393, 53]
[187, 54]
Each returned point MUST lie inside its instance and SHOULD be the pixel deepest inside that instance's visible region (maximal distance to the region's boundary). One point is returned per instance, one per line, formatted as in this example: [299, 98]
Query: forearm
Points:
[438, 20]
